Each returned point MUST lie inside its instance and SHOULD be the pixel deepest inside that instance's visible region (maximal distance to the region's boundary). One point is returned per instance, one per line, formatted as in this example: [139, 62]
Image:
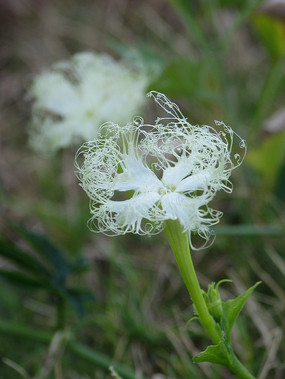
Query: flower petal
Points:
[55, 94]
[128, 214]
[185, 209]
[136, 176]
[194, 182]
[174, 174]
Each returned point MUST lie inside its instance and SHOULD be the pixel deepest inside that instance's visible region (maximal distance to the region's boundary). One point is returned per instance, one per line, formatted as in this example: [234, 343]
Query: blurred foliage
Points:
[189, 79]
[272, 33]
[268, 159]
[48, 269]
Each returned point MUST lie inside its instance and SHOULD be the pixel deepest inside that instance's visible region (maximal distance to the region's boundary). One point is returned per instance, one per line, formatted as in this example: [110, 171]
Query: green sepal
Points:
[232, 308]
[214, 354]
[213, 300]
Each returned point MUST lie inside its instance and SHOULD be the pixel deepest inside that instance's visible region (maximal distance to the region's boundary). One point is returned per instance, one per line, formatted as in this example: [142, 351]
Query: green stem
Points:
[238, 368]
[179, 243]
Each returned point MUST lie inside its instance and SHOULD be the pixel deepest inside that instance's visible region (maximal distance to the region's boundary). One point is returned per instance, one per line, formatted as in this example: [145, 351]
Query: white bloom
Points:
[75, 97]
[138, 176]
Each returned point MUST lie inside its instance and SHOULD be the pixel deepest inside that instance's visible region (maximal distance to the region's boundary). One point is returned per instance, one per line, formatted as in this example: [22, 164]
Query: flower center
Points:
[167, 189]
[89, 113]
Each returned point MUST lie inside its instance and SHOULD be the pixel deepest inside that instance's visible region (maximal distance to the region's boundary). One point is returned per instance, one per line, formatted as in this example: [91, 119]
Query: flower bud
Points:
[214, 302]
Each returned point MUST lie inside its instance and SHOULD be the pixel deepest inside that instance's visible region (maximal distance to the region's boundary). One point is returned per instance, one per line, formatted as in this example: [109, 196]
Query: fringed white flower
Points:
[75, 97]
[140, 175]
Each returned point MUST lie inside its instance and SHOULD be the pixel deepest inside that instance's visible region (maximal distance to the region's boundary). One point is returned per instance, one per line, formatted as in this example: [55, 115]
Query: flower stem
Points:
[179, 243]
[238, 368]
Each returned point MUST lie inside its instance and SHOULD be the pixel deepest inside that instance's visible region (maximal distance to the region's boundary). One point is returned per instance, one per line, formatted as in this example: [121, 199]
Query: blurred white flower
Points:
[75, 97]
[138, 176]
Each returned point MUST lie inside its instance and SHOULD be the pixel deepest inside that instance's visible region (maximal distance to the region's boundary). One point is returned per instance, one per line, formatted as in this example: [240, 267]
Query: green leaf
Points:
[53, 255]
[214, 354]
[232, 308]
[22, 259]
[22, 280]
[47, 250]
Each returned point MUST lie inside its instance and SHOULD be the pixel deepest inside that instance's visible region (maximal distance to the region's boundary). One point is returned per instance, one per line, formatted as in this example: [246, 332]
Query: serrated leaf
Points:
[214, 354]
[232, 308]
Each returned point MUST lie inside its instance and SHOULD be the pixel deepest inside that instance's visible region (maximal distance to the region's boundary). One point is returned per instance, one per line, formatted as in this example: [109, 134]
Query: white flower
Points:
[138, 176]
[75, 97]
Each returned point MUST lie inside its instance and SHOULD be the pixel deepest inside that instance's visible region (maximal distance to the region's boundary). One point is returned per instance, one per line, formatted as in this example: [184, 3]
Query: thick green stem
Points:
[179, 243]
[238, 368]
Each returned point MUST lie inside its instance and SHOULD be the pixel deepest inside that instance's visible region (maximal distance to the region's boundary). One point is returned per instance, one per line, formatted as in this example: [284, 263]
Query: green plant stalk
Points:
[179, 243]
[238, 368]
